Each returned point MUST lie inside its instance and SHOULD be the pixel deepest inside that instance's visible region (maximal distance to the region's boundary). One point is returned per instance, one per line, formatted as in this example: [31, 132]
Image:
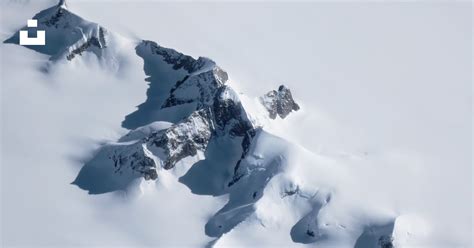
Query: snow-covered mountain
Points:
[69, 36]
[196, 129]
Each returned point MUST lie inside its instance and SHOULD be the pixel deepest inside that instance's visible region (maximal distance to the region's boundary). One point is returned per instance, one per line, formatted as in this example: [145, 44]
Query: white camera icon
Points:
[40, 38]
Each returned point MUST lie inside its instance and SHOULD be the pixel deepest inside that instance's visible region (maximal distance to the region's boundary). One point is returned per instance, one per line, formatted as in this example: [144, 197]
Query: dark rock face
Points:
[68, 35]
[61, 28]
[231, 118]
[177, 59]
[135, 158]
[200, 88]
[218, 111]
[226, 116]
[213, 111]
[138, 162]
[229, 114]
[184, 139]
[132, 157]
[279, 102]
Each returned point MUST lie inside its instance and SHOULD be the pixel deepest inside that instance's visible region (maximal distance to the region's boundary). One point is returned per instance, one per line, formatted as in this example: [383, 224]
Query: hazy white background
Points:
[389, 80]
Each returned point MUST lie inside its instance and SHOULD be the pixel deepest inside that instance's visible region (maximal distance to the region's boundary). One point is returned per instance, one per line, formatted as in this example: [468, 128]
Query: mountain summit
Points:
[194, 126]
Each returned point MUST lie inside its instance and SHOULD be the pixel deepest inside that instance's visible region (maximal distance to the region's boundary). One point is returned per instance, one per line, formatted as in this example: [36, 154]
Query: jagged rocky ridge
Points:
[68, 35]
[216, 113]
[176, 59]
[184, 139]
[224, 117]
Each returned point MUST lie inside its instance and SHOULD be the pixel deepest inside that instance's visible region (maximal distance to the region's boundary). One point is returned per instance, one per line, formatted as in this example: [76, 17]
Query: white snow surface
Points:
[381, 137]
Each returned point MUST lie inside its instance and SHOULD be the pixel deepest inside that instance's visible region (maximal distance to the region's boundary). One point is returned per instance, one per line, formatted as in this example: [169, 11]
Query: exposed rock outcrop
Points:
[200, 88]
[136, 158]
[229, 114]
[68, 35]
[219, 113]
[279, 102]
[184, 139]
[177, 59]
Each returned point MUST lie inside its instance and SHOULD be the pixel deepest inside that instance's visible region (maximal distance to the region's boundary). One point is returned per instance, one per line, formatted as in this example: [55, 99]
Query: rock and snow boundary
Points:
[191, 116]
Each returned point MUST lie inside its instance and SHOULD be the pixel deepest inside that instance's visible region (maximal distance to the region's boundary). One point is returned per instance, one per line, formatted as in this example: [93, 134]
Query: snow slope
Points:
[246, 189]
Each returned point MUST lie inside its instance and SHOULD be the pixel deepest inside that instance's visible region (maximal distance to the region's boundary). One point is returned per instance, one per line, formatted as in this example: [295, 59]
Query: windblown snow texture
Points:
[191, 112]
